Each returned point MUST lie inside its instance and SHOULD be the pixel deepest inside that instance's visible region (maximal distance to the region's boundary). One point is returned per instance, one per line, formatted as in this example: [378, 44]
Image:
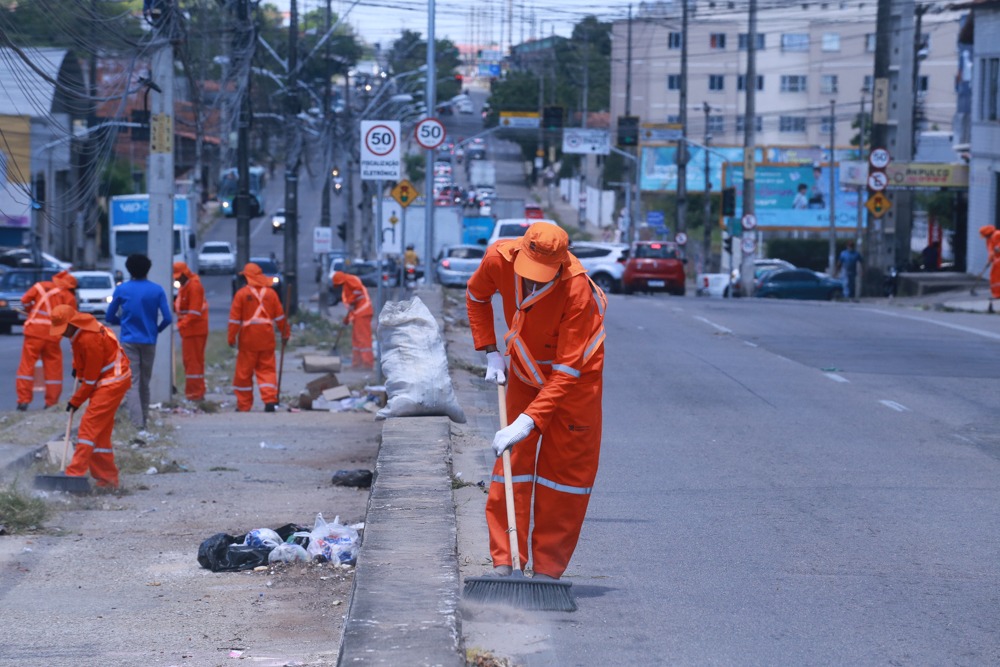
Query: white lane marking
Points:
[947, 325]
[836, 378]
[748, 343]
[710, 323]
[894, 406]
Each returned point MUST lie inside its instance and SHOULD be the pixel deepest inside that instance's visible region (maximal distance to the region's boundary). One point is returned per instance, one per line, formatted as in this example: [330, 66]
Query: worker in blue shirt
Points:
[134, 306]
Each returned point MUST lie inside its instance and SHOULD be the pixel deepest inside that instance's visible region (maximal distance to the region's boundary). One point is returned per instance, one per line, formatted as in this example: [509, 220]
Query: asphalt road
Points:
[788, 483]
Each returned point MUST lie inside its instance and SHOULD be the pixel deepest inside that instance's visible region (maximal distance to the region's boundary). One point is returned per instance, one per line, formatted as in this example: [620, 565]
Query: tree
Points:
[409, 52]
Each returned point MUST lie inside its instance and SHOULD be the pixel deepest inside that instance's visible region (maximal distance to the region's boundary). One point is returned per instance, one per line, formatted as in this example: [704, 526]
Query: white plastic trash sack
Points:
[333, 541]
[415, 363]
[262, 538]
[288, 553]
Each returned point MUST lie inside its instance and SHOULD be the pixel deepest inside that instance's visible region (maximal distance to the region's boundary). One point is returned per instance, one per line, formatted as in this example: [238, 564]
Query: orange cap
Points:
[63, 315]
[64, 279]
[181, 269]
[986, 231]
[339, 277]
[543, 250]
[255, 276]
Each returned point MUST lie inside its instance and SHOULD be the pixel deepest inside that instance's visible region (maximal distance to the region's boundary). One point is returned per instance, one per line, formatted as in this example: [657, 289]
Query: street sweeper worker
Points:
[192, 324]
[253, 317]
[103, 377]
[38, 343]
[359, 315]
[555, 340]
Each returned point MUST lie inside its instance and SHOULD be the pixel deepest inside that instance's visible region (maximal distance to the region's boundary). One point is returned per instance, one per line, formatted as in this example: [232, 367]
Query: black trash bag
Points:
[223, 553]
[358, 478]
[288, 531]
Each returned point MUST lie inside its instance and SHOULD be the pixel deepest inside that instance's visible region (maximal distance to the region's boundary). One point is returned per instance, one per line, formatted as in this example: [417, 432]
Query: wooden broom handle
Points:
[508, 485]
[69, 427]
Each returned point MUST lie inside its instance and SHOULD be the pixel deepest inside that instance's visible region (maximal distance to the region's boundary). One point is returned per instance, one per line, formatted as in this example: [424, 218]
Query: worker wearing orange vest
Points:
[104, 376]
[359, 314]
[192, 324]
[39, 301]
[255, 312]
[555, 340]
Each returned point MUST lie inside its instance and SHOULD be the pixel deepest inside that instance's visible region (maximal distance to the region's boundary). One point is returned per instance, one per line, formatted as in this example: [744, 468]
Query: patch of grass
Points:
[19, 512]
[462, 364]
[477, 657]
[222, 469]
[459, 483]
[311, 329]
[208, 407]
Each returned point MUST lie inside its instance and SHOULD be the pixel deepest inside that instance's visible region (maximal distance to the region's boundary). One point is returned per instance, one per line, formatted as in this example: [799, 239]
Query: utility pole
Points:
[629, 166]
[430, 95]
[324, 217]
[585, 105]
[349, 139]
[244, 34]
[749, 144]
[682, 148]
[707, 215]
[292, 166]
[833, 185]
[160, 175]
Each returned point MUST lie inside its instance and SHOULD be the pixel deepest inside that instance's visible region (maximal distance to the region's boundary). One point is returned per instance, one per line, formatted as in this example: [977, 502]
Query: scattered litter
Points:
[271, 445]
[316, 363]
[356, 478]
[151, 470]
[288, 553]
[290, 543]
[333, 541]
[262, 537]
[236, 654]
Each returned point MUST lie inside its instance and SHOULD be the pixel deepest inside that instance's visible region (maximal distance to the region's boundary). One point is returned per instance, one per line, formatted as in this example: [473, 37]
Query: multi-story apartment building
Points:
[808, 53]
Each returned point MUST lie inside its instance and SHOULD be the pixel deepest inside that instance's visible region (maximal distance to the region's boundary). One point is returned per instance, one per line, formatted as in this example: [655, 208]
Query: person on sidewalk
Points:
[359, 314]
[848, 263]
[555, 340]
[192, 325]
[38, 302]
[255, 313]
[103, 377]
[134, 306]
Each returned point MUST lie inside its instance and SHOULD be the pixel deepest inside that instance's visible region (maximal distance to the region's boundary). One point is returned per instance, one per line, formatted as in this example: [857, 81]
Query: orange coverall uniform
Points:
[555, 376]
[255, 312]
[359, 315]
[39, 301]
[993, 248]
[192, 325]
[104, 377]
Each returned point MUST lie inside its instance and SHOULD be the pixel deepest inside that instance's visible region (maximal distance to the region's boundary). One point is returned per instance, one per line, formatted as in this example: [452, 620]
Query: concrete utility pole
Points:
[241, 202]
[833, 188]
[160, 179]
[291, 268]
[431, 101]
[324, 217]
[749, 144]
[707, 214]
[682, 148]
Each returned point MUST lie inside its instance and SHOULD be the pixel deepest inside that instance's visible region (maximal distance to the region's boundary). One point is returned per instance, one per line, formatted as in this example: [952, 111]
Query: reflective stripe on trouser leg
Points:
[93, 452]
[193, 354]
[246, 360]
[52, 362]
[361, 342]
[31, 350]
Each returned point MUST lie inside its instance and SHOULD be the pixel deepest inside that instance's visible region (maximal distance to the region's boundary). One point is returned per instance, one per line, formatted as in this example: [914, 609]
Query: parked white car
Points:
[605, 262]
[93, 291]
[217, 257]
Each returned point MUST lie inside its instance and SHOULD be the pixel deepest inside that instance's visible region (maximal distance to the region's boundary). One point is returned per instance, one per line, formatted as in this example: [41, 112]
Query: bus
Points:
[229, 181]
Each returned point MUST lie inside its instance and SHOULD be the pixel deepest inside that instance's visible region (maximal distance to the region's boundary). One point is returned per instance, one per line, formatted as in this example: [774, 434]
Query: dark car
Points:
[797, 284]
[269, 267]
[369, 273]
[654, 266]
[13, 284]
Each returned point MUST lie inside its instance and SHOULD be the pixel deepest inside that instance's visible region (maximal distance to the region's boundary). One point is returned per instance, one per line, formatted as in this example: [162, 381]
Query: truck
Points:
[129, 230]
[482, 175]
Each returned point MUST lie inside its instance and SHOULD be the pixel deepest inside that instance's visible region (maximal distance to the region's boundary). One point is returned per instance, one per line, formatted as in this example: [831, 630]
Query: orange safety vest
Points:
[43, 297]
[101, 349]
[256, 338]
[192, 317]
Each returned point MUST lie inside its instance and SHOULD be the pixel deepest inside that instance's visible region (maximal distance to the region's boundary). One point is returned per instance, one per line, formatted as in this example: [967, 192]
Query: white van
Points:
[513, 228]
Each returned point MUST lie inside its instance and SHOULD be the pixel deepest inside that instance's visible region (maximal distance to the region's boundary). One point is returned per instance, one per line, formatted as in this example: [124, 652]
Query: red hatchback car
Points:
[654, 266]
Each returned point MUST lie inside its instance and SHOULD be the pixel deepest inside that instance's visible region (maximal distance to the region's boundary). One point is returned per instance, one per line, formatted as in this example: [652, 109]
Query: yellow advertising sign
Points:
[927, 175]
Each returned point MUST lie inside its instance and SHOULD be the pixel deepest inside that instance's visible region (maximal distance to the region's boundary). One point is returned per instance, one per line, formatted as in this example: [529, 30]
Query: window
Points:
[741, 82]
[990, 86]
[673, 82]
[674, 40]
[824, 125]
[741, 121]
[717, 124]
[870, 42]
[794, 42]
[673, 119]
[792, 124]
[793, 83]
[744, 39]
[717, 41]
[869, 83]
[716, 82]
[923, 84]
[831, 41]
[828, 84]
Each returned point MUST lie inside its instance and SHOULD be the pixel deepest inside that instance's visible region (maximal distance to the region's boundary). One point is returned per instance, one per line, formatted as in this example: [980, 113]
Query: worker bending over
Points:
[359, 314]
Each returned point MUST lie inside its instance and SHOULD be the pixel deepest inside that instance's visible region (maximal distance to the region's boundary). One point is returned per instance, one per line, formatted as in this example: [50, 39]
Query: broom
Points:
[516, 590]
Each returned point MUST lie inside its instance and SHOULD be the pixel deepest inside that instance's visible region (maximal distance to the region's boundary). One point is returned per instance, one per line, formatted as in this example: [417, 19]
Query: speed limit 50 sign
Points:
[380, 153]
[429, 133]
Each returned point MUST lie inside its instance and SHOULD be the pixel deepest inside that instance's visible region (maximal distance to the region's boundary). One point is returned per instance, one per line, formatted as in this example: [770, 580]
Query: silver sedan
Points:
[455, 264]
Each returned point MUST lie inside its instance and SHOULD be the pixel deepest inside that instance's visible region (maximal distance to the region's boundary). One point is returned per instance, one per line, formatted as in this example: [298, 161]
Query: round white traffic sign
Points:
[877, 180]
[749, 221]
[681, 238]
[749, 244]
[879, 158]
[380, 140]
[429, 133]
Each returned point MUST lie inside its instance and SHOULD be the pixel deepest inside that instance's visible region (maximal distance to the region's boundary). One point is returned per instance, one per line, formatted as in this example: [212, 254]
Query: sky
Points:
[464, 21]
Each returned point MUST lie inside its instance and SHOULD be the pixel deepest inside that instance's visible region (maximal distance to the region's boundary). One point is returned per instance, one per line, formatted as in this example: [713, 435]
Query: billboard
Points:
[659, 167]
[795, 196]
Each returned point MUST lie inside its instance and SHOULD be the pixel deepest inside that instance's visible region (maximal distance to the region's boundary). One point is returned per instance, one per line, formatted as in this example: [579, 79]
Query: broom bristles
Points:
[521, 593]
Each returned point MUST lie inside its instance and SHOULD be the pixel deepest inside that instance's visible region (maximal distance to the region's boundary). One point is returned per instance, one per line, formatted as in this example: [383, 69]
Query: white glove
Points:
[496, 368]
[516, 432]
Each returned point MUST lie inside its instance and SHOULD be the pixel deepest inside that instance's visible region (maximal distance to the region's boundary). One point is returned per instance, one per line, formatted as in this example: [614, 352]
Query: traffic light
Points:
[552, 118]
[459, 78]
[727, 244]
[335, 172]
[628, 131]
[342, 231]
[729, 201]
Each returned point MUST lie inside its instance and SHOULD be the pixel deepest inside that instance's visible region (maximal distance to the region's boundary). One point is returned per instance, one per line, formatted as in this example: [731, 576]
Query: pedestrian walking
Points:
[103, 378]
[135, 307]
[359, 315]
[848, 263]
[555, 341]
[38, 303]
[255, 313]
[192, 325]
